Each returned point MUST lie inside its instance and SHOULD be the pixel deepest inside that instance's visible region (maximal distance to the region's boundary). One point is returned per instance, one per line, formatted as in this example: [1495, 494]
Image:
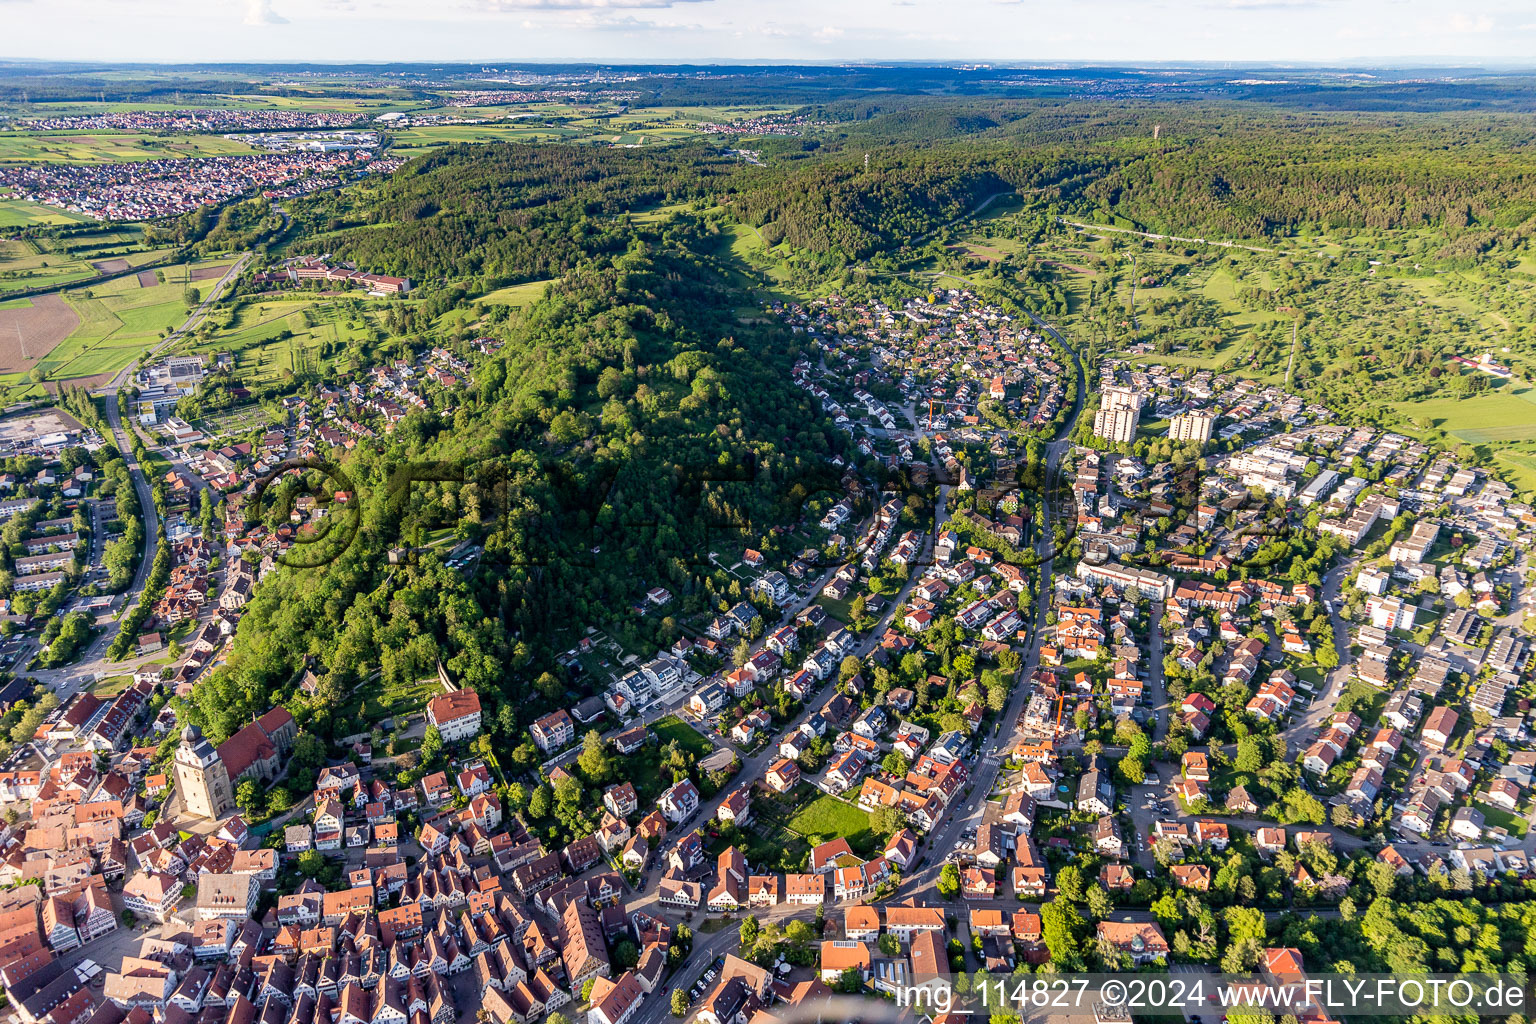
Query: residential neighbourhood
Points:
[1257, 654]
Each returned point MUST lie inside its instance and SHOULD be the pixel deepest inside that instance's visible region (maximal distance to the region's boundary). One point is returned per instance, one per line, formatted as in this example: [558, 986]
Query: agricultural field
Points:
[564, 123]
[320, 101]
[110, 147]
[1517, 464]
[1508, 414]
[414, 141]
[238, 420]
[31, 328]
[90, 332]
[18, 213]
[27, 264]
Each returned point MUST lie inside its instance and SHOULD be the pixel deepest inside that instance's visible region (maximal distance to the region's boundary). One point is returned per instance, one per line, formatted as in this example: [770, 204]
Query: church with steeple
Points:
[206, 776]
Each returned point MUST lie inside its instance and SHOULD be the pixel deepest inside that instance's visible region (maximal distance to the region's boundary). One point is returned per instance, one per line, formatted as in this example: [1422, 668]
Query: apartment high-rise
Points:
[1119, 411]
[1195, 425]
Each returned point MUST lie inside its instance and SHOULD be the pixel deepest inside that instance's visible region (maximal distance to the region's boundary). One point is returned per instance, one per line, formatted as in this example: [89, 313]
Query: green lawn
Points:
[1519, 469]
[828, 817]
[673, 728]
[1495, 817]
[112, 685]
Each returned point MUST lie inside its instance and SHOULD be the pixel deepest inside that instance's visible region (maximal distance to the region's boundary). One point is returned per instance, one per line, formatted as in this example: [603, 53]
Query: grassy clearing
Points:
[671, 728]
[525, 294]
[657, 214]
[112, 685]
[1519, 468]
[1364, 700]
[1506, 415]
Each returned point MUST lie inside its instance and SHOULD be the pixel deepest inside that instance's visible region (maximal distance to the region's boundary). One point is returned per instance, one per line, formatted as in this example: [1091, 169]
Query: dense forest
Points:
[507, 213]
[626, 425]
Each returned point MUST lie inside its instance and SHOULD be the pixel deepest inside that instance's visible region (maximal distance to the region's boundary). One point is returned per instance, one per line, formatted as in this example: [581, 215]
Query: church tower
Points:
[201, 777]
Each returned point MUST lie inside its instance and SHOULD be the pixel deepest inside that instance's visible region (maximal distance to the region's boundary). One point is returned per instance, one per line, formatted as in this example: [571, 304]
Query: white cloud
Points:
[579, 5]
[1466, 24]
[260, 12]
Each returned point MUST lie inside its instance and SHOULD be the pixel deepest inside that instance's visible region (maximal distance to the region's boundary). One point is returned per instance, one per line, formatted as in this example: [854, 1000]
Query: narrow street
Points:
[1305, 725]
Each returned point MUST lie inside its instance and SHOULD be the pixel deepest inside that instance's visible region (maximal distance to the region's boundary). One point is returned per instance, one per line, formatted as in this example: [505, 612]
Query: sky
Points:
[641, 31]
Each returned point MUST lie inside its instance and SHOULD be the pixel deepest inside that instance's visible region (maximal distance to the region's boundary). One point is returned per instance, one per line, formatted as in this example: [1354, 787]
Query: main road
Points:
[992, 748]
[92, 661]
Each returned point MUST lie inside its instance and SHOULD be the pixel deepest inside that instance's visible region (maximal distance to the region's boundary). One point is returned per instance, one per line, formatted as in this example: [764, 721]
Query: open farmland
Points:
[109, 147]
[31, 328]
[1506, 415]
[18, 213]
[412, 141]
[75, 257]
[210, 273]
[114, 322]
